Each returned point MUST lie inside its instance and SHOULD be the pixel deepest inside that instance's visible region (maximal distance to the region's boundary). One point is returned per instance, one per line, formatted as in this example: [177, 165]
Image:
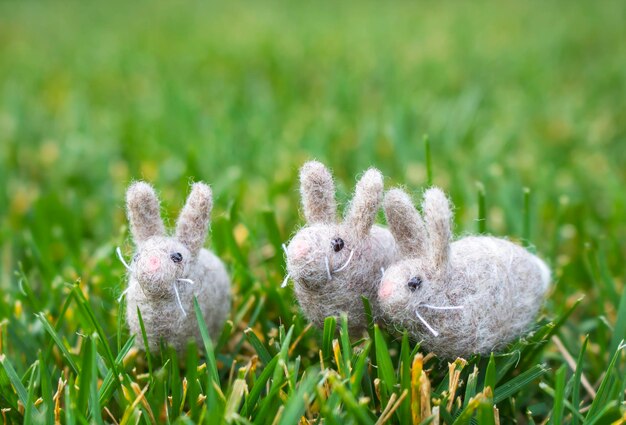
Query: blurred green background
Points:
[512, 95]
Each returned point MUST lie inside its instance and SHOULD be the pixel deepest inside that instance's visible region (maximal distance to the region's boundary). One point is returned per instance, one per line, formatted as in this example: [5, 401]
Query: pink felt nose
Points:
[386, 289]
[154, 263]
[299, 249]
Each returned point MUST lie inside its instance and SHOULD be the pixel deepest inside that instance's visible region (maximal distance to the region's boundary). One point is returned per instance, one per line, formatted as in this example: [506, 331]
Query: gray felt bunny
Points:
[469, 296]
[334, 263]
[168, 271]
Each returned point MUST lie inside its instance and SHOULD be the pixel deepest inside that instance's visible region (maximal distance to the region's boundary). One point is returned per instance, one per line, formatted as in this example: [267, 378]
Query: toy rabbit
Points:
[459, 298]
[334, 263]
[168, 271]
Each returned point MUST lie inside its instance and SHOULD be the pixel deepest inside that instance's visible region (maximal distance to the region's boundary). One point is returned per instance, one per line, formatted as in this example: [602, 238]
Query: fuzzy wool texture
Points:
[330, 281]
[499, 284]
[168, 271]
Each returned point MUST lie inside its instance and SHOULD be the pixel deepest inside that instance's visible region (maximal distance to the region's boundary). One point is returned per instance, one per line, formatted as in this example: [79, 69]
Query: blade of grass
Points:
[224, 336]
[559, 396]
[86, 309]
[29, 408]
[513, 386]
[46, 389]
[577, 380]
[144, 337]
[258, 346]
[470, 389]
[351, 404]
[330, 325]
[404, 371]
[259, 386]
[295, 405]
[369, 316]
[57, 339]
[526, 218]
[485, 414]
[234, 398]
[108, 384]
[490, 376]
[385, 366]
[359, 368]
[208, 344]
[603, 395]
[15, 380]
[429, 165]
[482, 209]
[551, 392]
[346, 348]
[619, 330]
[93, 383]
[84, 379]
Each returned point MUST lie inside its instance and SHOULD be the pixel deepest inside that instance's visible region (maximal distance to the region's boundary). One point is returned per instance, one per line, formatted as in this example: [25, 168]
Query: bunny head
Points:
[419, 279]
[326, 250]
[160, 259]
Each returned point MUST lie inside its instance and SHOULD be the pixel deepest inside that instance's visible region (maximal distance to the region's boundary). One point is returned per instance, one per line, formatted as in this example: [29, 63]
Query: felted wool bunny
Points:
[334, 263]
[470, 296]
[168, 271]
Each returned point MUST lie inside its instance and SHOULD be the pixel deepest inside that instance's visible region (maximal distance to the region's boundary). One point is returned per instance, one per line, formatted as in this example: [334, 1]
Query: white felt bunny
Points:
[168, 271]
[470, 296]
[334, 263]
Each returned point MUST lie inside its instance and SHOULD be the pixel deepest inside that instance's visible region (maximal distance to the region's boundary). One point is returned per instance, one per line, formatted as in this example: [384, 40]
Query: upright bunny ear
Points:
[405, 223]
[368, 197]
[142, 208]
[193, 221]
[438, 216]
[317, 190]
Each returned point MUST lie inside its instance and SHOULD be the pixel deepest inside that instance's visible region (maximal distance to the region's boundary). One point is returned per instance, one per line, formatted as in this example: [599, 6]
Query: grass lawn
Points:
[524, 106]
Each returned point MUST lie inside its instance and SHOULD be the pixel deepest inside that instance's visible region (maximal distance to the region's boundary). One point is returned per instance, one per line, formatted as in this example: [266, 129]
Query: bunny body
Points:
[167, 272]
[474, 295]
[333, 264]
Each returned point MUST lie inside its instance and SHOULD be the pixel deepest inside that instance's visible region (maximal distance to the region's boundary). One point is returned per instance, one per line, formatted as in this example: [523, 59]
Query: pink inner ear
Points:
[154, 263]
[386, 289]
[299, 249]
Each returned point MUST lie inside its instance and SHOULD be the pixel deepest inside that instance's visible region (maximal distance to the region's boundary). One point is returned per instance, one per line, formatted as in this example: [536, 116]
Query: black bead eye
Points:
[176, 257]
[414, 283]
[337, 244]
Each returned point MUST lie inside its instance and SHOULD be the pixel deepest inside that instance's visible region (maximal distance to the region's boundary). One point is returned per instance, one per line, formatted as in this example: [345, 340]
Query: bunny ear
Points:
[405, 223]
[142, 207]
[317, 190]
[193, 221]
[368, 197]
[438, 216]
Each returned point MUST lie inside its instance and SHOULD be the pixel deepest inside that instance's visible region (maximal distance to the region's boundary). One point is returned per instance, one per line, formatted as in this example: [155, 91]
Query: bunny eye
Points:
[176, 257]
[337, 244]
[414, 283]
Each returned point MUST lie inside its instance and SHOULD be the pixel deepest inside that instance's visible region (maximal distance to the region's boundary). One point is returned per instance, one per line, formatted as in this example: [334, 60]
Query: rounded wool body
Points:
[474, 295]
[167, 272]
[334, 264]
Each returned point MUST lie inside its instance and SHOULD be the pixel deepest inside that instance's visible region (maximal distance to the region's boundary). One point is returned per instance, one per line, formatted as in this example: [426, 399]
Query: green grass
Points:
[516, 109]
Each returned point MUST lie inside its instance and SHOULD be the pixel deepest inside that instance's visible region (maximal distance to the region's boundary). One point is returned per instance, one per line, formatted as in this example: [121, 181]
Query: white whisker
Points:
[346, 264]
[186, 280]
[119, 299]
[178, 300]
[382, 271]
[430, 328]
[436, 307]
[328, 269]
[118, 251]
[285, 248]
[285, 281]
